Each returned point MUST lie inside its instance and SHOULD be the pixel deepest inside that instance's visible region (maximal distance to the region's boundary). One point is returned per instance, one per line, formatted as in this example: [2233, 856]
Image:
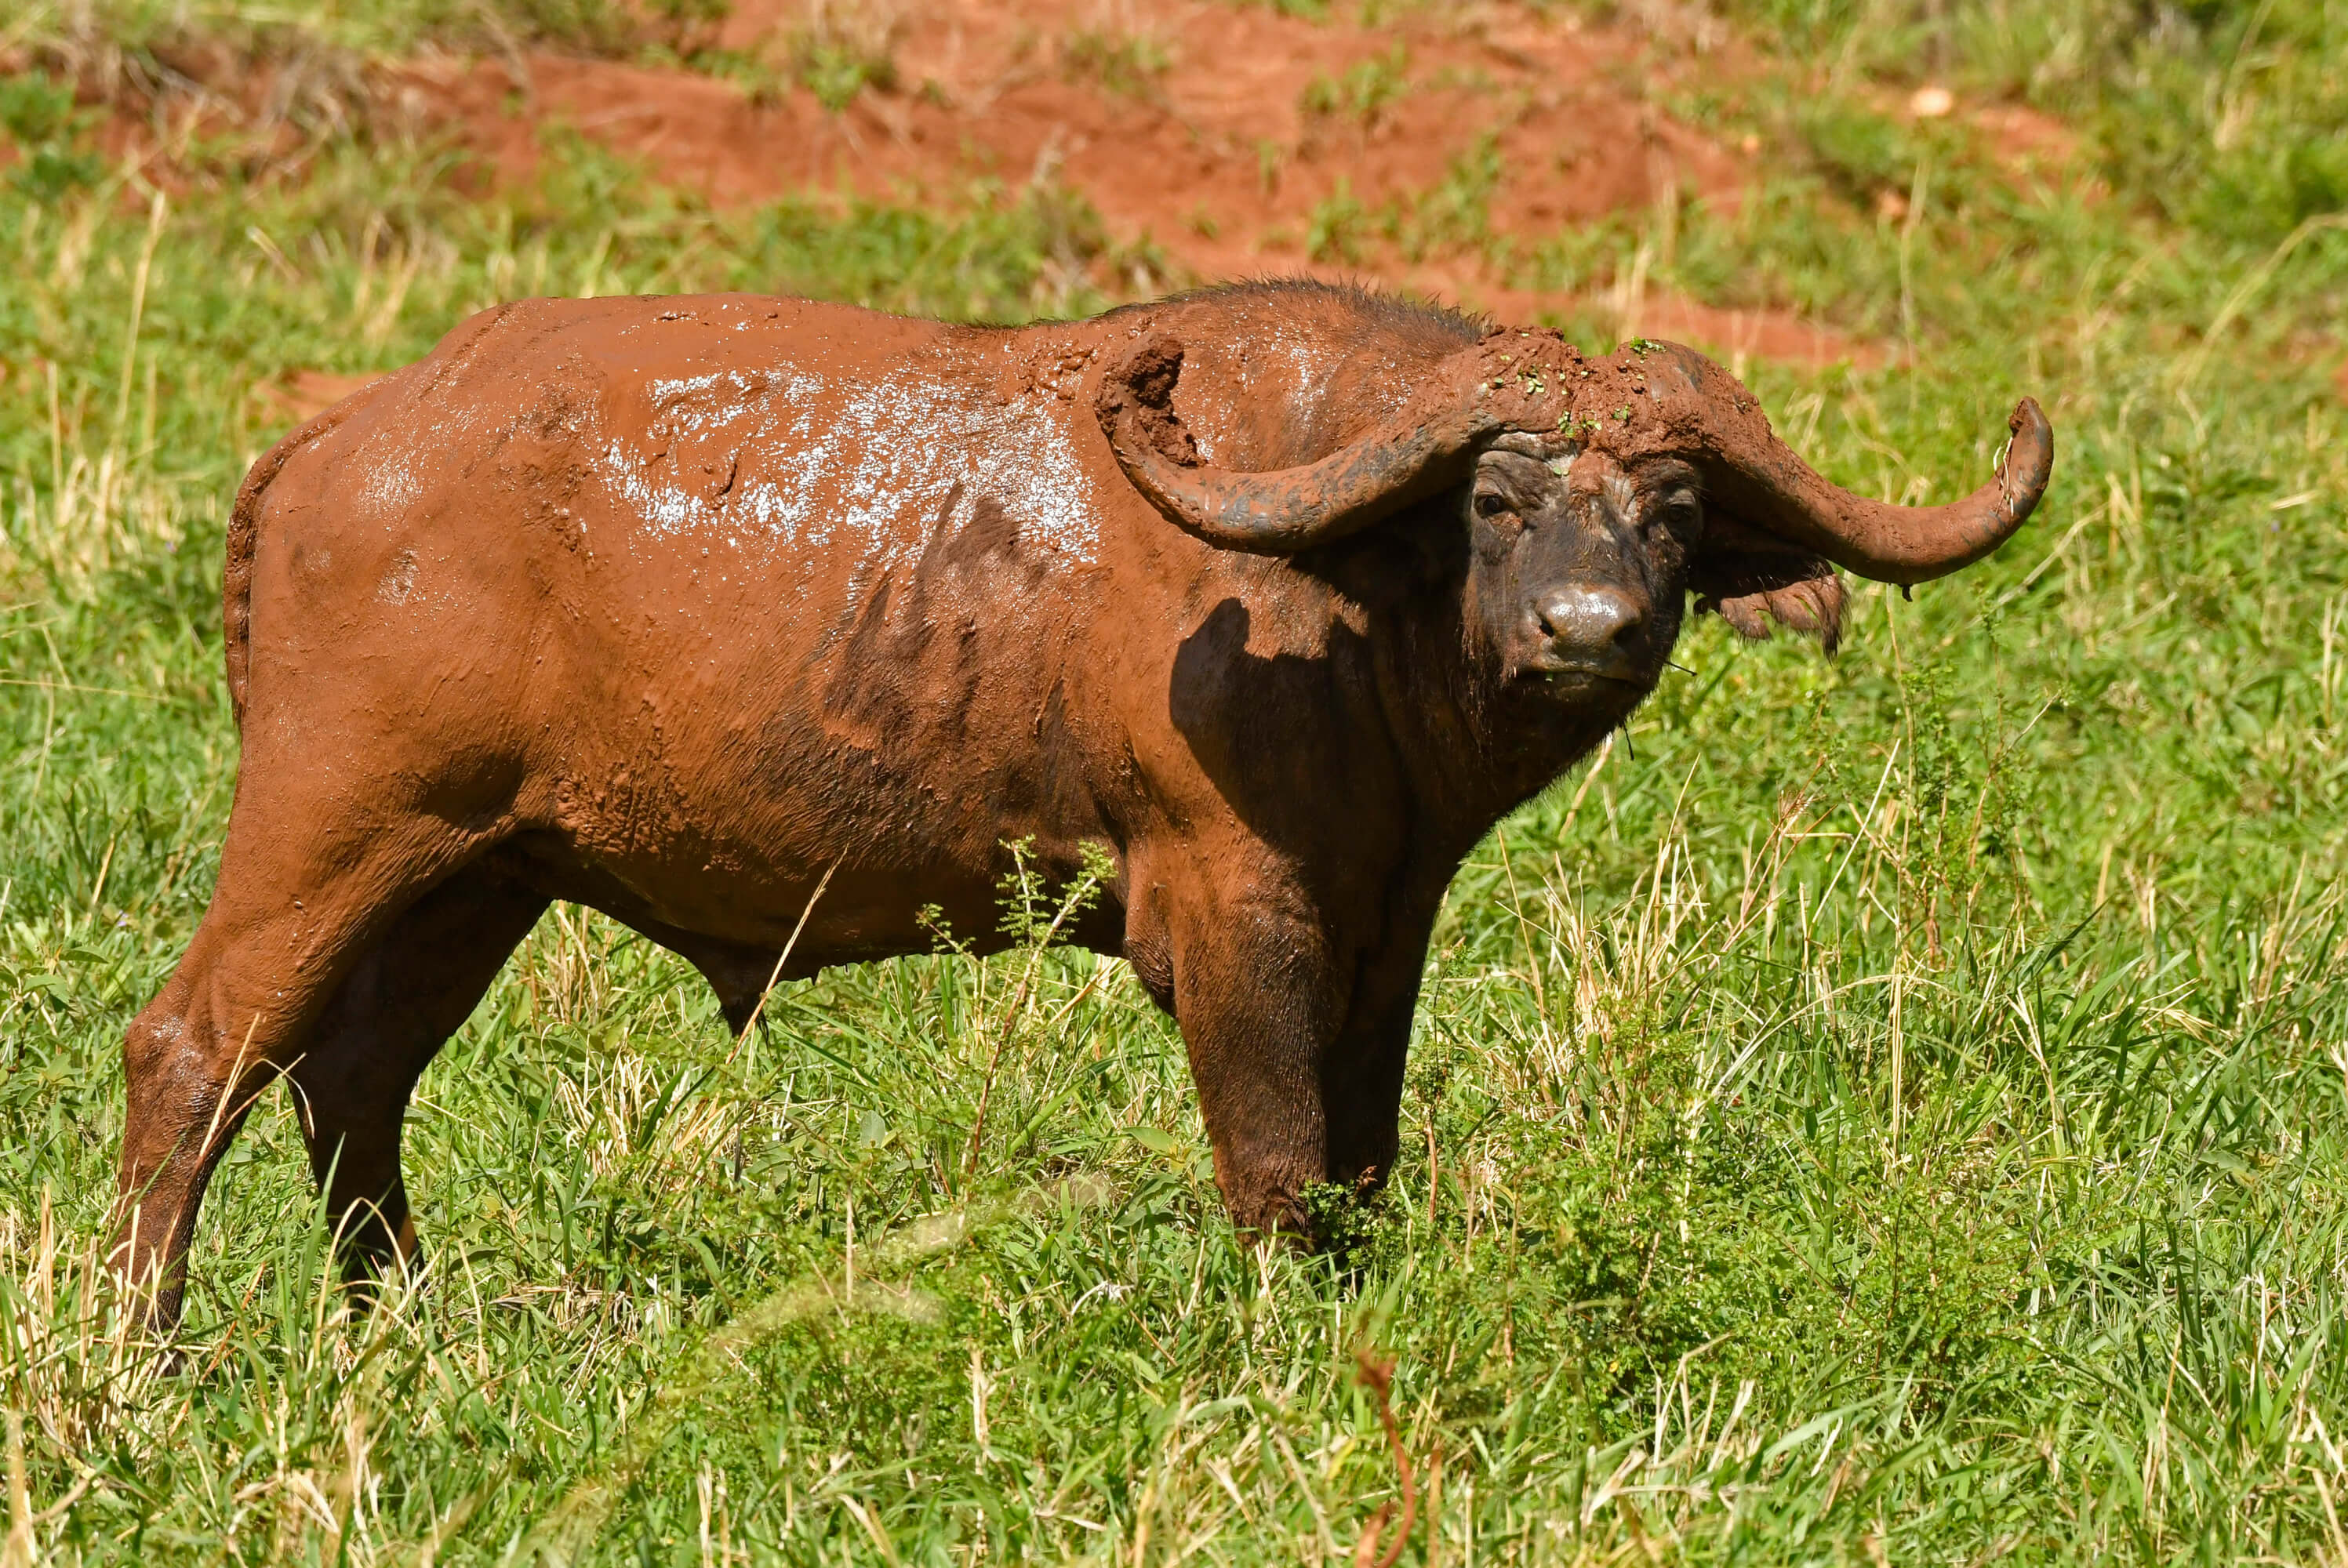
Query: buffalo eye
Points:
[1678, 512]
[1489, 504]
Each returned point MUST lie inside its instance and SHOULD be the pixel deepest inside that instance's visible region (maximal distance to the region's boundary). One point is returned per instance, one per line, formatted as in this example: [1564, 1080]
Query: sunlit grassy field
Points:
[1888, 1108]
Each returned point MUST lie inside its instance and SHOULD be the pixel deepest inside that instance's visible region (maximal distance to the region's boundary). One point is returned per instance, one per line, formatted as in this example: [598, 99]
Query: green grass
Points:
[1896, 1115]
[140, 33]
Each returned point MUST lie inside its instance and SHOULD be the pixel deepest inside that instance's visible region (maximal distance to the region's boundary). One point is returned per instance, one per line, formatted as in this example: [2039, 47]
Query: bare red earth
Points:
[1241, 138]
[1218, 160]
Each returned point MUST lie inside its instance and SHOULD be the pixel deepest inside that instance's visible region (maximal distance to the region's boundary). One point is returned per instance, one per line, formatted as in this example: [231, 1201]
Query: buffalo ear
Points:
[1749, 578]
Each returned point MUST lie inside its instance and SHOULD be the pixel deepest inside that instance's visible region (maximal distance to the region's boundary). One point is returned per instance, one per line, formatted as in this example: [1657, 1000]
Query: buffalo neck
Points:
[1471, 746]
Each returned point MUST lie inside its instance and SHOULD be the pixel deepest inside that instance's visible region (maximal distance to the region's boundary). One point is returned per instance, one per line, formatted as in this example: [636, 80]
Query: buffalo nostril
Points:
[1588, 617]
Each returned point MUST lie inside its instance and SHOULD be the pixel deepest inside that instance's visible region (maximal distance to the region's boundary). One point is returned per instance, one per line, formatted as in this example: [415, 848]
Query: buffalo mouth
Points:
[1549, 664]
[1576, 677]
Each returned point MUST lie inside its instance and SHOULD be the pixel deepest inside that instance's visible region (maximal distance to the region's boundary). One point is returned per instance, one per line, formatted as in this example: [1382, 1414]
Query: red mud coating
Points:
[677, 607]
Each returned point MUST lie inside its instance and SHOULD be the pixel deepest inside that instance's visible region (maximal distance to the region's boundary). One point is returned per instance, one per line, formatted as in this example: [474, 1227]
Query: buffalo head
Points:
[1596, 494]
[1576, 564]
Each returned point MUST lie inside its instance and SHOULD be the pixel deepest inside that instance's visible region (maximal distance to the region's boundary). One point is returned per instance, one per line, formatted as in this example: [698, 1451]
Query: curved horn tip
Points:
[2029, 458]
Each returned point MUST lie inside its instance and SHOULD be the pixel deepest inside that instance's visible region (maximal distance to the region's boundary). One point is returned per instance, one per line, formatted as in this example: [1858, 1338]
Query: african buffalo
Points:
[1282, 593]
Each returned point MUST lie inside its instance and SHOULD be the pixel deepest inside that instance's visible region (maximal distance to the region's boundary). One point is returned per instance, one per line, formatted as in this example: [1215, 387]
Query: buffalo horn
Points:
[1283, 510]
[1700, 414]
[1754, 474]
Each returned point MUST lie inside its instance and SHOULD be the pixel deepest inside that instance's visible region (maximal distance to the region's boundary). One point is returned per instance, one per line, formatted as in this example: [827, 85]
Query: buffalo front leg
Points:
[406, 994]
[1362, 1072]
[1259, 1000]
[1361, 1084]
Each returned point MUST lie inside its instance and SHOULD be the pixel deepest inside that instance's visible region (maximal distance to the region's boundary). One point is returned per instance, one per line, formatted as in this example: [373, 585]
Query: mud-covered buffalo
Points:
[721, 614]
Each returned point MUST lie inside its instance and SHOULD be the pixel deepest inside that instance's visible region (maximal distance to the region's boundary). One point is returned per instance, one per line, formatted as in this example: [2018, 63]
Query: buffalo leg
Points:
[1260, 1002]
[299, 898]
[400, 1002]
[1361, 1084]
[1362, 1073]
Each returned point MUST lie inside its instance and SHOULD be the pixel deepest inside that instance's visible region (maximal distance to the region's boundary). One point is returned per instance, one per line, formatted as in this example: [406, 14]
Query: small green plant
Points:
[40, 118]
[603, 27]
[834, 76]
[689, 27]
[1456, 214]
[1034, 914]
[1128, 64]
[1339, 227]
[36, 109]
[845, 48]
[1036, 918]
[1270, 158]
[1860, 152]
[1346, 1222]
[764, 79]
[1363, 92]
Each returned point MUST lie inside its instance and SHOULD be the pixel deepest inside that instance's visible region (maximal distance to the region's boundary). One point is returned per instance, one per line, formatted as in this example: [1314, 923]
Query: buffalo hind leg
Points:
[399, 1003]
[305, 886]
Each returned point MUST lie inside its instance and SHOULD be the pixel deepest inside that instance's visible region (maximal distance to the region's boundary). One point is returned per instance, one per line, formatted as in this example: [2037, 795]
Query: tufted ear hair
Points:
[1750, 579]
